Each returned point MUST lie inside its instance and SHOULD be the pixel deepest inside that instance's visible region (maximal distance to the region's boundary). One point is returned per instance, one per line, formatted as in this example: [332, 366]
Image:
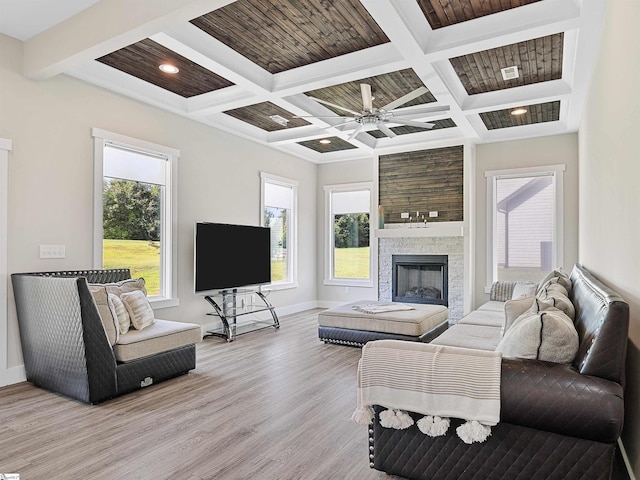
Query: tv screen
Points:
[229, 256]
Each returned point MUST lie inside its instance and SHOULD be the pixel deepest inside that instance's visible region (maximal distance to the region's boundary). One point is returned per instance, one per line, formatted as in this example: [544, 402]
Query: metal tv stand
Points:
[231, 304]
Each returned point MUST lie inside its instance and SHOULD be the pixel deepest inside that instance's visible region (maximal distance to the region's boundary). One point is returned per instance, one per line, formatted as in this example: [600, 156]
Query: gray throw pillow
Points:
[124, 322]
[557, 273]
[106, 310]
[547, 335]
[558, 300]
[513, 309]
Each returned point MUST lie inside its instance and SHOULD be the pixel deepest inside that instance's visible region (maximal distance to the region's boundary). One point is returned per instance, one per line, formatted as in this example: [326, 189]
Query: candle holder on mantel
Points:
[380, 216]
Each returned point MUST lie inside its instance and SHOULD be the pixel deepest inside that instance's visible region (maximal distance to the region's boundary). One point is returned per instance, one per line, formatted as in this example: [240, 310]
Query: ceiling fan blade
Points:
[355, 132]
[386, 130]
[405, 98]
[367, 100]
[420, 111]
[336, 106]
[343, 123]
[322, 116]
[411, 123]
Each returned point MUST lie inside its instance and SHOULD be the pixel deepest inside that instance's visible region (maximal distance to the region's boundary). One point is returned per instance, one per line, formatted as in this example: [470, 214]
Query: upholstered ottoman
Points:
[348, 326]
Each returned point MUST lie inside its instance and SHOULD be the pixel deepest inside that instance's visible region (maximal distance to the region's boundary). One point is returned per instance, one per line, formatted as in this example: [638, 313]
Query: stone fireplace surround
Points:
[452, 246]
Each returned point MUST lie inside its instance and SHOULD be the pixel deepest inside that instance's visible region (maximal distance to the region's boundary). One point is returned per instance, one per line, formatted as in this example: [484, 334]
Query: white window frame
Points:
[169, 222]
[557, 173]
[292, 229]
[329, 244]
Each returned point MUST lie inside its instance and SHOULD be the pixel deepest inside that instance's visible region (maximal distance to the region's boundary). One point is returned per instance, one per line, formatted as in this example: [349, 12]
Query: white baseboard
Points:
[329, 304]
[627, 464]
[13, 375]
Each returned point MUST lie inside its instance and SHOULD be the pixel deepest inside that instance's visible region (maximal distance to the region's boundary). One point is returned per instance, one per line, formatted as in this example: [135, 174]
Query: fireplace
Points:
[420, 279]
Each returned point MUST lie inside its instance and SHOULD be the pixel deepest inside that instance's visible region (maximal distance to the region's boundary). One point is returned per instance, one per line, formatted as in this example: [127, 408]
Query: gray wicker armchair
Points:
[64, 344]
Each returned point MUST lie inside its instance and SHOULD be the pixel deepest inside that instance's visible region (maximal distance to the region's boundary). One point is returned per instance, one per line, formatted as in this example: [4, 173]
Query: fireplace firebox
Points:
[420, 279]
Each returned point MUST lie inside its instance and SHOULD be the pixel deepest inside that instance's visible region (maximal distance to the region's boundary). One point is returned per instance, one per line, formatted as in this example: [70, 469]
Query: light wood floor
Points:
[271, 405]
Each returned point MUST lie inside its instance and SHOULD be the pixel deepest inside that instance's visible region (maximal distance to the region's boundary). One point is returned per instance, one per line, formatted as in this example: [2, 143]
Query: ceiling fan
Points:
[382, 116]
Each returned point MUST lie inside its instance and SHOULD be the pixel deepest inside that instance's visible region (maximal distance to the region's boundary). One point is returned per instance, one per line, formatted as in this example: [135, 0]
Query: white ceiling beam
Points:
[344, 68]
[103, 28]
[525, 95]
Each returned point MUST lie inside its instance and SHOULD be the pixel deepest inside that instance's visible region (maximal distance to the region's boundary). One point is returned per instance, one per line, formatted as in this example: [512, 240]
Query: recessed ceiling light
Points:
[166, 68]
[325, 141]
[518, 111]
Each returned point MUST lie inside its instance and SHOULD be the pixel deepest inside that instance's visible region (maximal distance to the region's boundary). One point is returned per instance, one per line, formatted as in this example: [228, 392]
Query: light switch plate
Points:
[52, 251]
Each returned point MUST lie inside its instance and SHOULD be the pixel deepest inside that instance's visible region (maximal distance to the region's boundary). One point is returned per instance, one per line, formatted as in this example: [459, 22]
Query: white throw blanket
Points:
[434, 380]
[381, 307]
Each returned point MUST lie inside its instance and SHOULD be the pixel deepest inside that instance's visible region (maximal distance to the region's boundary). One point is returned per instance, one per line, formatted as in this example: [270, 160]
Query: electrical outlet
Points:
[404, 215]
[52, 251]
[433, 214]
[347, 290]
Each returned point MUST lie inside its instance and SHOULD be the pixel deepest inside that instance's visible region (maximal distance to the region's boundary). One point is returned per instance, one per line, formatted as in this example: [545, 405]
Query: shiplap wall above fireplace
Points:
[422, 181]
[441, 180]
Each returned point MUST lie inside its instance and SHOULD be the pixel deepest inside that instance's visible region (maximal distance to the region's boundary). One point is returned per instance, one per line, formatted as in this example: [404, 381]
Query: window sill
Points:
[161, 302]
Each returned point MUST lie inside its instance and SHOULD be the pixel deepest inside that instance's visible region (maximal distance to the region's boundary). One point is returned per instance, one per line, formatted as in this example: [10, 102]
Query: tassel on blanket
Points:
[473, 431]
[395, 419]
[433, 426]
[363, 415]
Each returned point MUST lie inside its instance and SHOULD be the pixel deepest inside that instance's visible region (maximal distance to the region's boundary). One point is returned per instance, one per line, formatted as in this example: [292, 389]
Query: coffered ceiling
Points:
[283, 72]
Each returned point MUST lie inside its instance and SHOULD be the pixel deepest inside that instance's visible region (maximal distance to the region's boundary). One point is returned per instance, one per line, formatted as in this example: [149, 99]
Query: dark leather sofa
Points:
[557, 421]
[64, 344]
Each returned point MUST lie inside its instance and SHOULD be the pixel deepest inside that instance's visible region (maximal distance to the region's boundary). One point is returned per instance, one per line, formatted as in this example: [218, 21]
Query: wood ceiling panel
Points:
[538, 60]
[442, 13]
[540, 113]
[143, 58]
[385, 88]
[258, 116]
[280, 35]
[337, 144]
[406, 129]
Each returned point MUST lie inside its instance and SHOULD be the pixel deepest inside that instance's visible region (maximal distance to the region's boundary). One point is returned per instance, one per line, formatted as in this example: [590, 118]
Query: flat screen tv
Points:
[230, 256]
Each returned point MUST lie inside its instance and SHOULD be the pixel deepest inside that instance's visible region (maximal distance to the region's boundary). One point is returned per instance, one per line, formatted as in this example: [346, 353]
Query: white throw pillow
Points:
[524, 289]
[124, 322]
[139, 308]
[548, 335]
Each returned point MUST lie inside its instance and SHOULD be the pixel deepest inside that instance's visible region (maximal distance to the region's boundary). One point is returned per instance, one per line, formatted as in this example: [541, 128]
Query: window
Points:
[135, 212]
[524, 228]
[279, 212]
[348, 210]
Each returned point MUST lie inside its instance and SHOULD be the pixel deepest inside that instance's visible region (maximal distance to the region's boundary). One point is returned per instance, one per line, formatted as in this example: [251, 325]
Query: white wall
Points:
[51, 186]
[559, 149]
[335, 174]
[609, 186]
